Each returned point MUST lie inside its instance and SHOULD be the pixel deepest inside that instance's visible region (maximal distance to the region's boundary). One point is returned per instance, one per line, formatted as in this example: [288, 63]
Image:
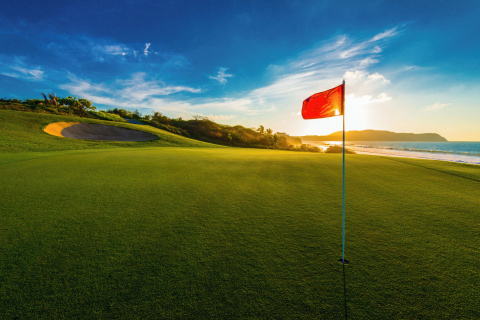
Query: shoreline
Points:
[418, 155]
[367, 148]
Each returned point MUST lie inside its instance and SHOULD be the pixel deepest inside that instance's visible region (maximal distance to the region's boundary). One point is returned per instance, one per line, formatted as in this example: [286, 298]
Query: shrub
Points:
[338, 149]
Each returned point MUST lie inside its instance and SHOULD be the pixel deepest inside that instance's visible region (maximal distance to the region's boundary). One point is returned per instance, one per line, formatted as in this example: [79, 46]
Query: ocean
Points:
[464, 152]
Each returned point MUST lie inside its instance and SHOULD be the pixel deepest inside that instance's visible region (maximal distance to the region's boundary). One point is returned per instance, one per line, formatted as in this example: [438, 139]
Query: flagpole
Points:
[343, 224]
[343, 242]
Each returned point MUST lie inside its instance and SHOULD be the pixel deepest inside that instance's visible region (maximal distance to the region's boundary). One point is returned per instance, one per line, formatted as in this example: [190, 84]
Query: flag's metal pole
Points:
[343, 242]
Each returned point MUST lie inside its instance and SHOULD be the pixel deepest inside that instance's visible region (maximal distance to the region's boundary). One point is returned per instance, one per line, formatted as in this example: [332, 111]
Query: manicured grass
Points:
[23, 131]
[235, 233]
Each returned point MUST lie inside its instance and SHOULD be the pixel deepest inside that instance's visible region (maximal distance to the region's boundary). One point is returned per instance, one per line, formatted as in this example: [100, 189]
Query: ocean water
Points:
[464, 152]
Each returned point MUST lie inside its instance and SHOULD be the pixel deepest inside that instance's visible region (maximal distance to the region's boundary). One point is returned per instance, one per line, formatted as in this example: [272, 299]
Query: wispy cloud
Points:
[221, 76]
[139, 93]
[353, 100]
[376, 49]
[145, 51]
[386, 34]
[356, 76]
[84, 49]
[323, 66]
[139, 88]
[438, 105]
[378, 77]
[117, 50]
[311, 71]
[135, 92]
[220, 117]
[16, 67]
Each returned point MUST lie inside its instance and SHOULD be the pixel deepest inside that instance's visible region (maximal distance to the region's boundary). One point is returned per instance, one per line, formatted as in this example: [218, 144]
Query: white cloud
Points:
[139, 93]
[321, 68]
[362, 76]
[365, 63]
[352, 51]
[81, 49]
[382, 97]
[378, 77]
[353, 100]
[138, 88]
[16, 67]
[438, 105]
[116, 50]
[386, 34]
[220, 117]
[311, 71]
[354, 76]
[221, 76]
[145, 51]
[35, 74]
[134, 92]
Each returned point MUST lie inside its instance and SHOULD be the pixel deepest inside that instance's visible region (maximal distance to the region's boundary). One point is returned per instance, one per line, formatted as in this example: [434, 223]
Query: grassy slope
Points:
[235, 233]
[23, 131]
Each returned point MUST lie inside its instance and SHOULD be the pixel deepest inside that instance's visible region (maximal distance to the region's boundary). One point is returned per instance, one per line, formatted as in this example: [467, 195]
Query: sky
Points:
[409, 66]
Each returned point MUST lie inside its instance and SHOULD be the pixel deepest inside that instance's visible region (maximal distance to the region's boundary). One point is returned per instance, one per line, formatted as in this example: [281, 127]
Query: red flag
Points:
[324, 104]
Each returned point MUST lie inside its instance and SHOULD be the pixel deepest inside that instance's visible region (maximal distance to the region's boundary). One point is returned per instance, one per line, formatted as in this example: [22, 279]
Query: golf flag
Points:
[325, 104]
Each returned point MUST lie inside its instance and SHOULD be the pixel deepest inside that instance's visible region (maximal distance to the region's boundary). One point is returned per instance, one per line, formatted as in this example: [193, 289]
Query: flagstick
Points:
[343, 242]
[343, 249]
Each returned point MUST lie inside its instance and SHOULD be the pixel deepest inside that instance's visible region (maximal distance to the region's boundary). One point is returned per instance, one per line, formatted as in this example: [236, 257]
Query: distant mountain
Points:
[377, 135]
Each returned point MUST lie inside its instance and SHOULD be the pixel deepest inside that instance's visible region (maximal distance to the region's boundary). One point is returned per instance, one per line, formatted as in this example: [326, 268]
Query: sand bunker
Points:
[89, 131]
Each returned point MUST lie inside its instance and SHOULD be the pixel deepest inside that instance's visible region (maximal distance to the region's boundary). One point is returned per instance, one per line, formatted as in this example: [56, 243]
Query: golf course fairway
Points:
[184, 229]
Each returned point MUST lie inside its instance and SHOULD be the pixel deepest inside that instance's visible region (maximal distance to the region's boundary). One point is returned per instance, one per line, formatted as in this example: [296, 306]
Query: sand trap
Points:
[89, 131]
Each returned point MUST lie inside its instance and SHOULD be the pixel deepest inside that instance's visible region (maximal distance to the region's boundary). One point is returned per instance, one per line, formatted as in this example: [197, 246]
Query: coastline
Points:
[371, 149]
[418, 155]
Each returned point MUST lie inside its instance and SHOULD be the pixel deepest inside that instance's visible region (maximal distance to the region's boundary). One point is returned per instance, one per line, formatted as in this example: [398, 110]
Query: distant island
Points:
[377, 135]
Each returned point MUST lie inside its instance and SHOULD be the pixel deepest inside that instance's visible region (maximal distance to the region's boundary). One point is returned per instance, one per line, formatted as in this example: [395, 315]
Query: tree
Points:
[268, 131]
[157, 116]
[137, 115]
[52, 99]
[78, 106]
[261, 129]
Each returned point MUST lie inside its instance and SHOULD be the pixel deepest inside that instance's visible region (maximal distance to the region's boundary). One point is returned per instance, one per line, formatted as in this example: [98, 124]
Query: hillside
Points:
[23, 131]
[377, 135]
[198, 128]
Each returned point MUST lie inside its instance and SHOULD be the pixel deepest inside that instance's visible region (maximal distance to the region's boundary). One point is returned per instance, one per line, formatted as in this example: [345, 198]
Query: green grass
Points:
[108, 116]
[205, 233]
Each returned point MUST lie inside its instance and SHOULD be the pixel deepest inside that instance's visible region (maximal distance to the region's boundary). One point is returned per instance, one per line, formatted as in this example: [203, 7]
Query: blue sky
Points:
[409, 66]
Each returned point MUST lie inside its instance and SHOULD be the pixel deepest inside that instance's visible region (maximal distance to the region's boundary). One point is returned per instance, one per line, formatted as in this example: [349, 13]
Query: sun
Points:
[356, 117]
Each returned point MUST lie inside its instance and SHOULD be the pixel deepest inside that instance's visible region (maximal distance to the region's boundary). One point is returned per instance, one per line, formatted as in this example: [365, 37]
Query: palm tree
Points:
[52, 99]
[261, 129]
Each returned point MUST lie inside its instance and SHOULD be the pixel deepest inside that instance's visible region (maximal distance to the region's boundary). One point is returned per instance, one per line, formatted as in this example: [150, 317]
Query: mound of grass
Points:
[107, 116]
[209, 233]
[23, 131]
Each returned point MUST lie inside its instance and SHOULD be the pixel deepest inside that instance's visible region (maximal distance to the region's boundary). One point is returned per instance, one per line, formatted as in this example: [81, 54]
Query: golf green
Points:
[204, 233]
